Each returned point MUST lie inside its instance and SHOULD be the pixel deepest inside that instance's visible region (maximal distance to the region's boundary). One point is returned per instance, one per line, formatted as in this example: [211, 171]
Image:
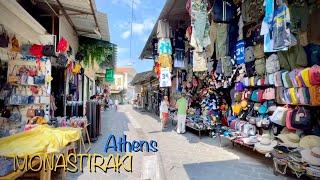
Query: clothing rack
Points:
[94, 119]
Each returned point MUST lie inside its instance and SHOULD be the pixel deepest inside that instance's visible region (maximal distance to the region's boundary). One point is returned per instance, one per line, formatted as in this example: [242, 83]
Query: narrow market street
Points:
[179, 156]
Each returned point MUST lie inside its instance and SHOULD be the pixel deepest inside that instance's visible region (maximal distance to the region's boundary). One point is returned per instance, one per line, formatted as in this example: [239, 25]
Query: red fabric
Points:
[165, 116]
[36, 51]
[63, 45]
[157, 69]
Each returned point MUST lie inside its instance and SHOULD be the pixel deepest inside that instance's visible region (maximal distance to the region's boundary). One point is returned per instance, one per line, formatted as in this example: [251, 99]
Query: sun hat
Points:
[289, 139]
[251, 140]
[311, 156]
[265, 145]
[310, 141]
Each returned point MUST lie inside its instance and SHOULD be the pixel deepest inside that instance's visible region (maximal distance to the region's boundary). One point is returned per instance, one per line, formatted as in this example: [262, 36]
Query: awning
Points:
[83, 16]
[175, 12]
[140, 78]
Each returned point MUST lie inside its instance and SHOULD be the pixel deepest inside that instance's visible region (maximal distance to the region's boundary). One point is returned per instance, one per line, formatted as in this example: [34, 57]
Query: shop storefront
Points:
[250, 71]
[46, 83]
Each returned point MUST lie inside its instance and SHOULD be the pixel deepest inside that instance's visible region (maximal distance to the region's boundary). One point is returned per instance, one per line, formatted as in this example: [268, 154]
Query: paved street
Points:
[179, 156]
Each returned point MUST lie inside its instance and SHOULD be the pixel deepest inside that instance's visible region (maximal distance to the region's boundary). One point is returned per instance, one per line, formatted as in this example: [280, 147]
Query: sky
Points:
[145, 14]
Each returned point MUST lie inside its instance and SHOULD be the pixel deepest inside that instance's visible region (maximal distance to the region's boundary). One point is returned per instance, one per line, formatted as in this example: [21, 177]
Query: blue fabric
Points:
[281, 31]
[267, 22]
[165, 46]
[240, 52]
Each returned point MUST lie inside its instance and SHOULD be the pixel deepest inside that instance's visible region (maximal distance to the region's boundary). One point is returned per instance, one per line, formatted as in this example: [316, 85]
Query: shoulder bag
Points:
[314, 75]
[4, 38]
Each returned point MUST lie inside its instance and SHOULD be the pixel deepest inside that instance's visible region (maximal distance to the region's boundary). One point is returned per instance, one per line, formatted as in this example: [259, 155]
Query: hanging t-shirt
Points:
[179, 58]
[165, 61]
[165, 77]
[267, 24]
[281, 30]
[164, 46]
[240, 52]
[163, 30]
[179, 39]
[199, 61]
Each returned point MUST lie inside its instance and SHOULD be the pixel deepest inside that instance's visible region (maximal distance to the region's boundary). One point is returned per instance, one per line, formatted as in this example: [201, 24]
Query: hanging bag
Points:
[314, 75]
[288, 120]
[25, 50]
[39, 112]
[4, 38]
[15, 115]
[15, 47]
[63, 45]
[39, 79]
[36, 51]
[272, 64]
[48, 50]
[12, 78]
[260, 66]
[301, 119]
[30, 112]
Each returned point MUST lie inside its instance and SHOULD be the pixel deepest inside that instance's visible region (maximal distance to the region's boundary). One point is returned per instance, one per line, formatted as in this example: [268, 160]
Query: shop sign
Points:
[165, 77]
[109, 77]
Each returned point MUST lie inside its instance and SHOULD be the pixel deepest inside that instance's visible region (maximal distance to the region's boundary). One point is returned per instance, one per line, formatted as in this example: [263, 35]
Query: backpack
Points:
[272, 64]
[260, 66]
[314, 75]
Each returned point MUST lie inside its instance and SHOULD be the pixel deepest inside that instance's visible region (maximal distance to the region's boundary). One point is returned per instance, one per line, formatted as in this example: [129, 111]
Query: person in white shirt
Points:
[116, 103]
[164, 111]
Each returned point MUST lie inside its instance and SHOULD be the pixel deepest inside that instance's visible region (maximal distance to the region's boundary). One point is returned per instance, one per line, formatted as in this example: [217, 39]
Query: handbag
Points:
[301, 119]
[15, 115]
[265, 123]
[263, 109]
[30, 80]
[258, 51]
[254, 96]
[62, 59]
[293, 95]
[271, 79]
[79, 56]
[12, 78]
[272, 64]
[24, 78]
[36, 50]
[280, 95]
[48, 50]
[314, 92]
[32, 72]
[76, 68]
[292, 76]
[286, 79]
[279, 116]
[260, 66]
[31, 99]
[288, 120]
[63, 45]
[314, 75]
[269, 94]
[4, 38]
[15, 47]
[31, 112]
[39, 80]
[39, 112]
[260, 95]
[278, 79]
[25, 50]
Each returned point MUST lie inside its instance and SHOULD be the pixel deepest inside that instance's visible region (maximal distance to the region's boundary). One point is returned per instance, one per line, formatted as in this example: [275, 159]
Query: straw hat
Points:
[250, 140]
[311, 156]
[289, 139]
[310, 141]
[265, 145]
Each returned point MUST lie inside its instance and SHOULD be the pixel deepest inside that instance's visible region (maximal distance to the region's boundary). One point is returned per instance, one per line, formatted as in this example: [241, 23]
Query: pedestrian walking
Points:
[116, 103]
[182, 106]
[164, 111]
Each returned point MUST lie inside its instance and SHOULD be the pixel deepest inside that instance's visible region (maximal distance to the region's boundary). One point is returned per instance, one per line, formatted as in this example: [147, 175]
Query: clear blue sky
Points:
[145, 15]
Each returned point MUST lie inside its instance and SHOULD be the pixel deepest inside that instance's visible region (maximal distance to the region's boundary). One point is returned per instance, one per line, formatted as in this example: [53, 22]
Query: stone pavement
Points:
[179, 156]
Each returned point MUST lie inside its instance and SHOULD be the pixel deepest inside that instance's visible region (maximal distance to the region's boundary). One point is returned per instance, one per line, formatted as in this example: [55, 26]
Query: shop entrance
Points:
[58, 89]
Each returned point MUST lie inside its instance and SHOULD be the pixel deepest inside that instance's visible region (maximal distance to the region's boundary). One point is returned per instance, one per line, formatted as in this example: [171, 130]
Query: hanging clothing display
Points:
[280, 30]
[164, 46]
[199, 61]
[222, 40]
[179, 58]
[200, 25]
[165, 61]
[267, 24]
[240, 52]
[163, 30]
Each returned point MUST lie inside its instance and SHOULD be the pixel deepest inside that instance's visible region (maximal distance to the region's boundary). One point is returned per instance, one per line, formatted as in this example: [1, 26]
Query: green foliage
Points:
[102, 53]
